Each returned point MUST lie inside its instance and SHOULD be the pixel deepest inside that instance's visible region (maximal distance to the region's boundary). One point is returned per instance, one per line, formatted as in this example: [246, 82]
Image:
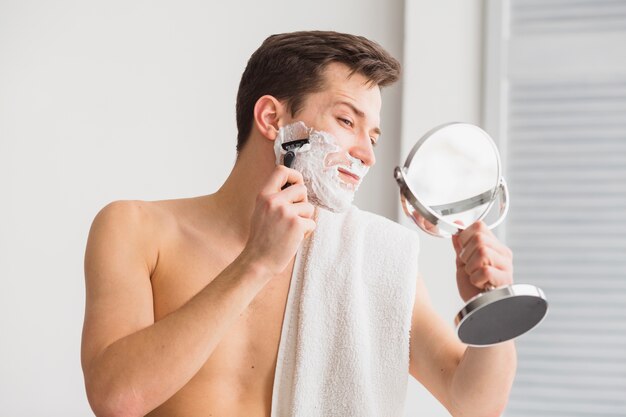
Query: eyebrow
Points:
[359, 113]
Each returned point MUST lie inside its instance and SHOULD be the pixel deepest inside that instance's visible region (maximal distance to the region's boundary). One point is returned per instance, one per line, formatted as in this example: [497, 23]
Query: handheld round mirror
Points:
[451, 179]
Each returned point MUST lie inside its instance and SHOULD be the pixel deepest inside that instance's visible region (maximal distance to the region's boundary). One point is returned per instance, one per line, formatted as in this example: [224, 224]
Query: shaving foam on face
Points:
[319, 162]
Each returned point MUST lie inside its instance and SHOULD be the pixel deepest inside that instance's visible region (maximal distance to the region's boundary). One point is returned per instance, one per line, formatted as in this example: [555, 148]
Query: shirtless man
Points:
[185, 298]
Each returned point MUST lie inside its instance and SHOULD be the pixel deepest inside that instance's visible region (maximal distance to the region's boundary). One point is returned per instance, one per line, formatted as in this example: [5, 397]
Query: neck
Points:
[236, 198]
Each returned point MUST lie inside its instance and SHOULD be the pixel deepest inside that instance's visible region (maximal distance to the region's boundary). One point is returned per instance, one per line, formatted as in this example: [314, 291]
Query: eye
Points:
[374, 141]
[346, 122]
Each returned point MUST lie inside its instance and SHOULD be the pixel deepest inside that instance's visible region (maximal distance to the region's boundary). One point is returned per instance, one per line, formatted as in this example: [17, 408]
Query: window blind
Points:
[560, 111]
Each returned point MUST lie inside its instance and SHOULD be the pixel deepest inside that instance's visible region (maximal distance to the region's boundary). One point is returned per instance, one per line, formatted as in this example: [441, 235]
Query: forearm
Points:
[482, 380]
[142, 370]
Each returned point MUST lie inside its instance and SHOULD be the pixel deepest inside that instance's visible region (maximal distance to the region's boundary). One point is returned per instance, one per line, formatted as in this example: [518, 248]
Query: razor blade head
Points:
[294, 144]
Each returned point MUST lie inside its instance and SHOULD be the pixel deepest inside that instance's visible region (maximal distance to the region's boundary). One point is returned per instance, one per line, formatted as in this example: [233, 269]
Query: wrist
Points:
[253, 267]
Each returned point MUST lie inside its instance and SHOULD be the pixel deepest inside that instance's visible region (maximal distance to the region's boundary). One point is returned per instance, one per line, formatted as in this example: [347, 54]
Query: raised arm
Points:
[468, 381]
[132, 364]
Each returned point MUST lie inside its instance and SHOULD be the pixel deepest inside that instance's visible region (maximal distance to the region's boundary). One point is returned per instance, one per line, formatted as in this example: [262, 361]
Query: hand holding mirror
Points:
[451, 179]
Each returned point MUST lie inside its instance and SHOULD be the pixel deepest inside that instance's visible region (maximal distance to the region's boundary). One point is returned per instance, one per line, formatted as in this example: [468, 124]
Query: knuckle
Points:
[271, 202]
[283, 210]
[293, 221]
[480, 240]
[476, 279]
[485, 271]
[264, 200]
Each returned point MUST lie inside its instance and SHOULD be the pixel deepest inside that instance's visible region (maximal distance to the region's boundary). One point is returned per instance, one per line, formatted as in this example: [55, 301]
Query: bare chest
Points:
[238, 376]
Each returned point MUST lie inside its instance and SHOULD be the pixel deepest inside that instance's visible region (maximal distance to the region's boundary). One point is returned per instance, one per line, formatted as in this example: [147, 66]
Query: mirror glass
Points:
[452, 179]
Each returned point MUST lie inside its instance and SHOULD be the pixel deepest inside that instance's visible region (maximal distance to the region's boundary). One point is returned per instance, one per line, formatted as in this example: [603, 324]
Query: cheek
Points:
[342, 137]
[337, 158]
[334, 158]
[334, 153]
[331, 125]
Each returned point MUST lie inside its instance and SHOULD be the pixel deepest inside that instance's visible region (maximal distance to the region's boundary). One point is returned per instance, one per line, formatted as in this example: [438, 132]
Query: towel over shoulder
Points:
[344, 347]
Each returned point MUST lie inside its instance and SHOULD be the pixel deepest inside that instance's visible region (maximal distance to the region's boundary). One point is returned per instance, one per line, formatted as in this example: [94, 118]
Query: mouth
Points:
[348, 176]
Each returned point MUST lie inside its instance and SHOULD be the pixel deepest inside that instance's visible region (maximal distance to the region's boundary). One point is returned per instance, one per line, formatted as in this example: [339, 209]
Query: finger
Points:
[489, 276]
[460, 265]
[421, 221]
[404, 207]
[478, 227]
[295, 194]
[418, 219]
[485, 256]
[308, 225]
[456, 243]
[480, 240]
[305, 210]
[281, 176]
[431, 227]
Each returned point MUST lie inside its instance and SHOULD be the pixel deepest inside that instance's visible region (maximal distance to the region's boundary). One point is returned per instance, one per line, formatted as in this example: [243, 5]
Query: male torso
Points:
[237, 378]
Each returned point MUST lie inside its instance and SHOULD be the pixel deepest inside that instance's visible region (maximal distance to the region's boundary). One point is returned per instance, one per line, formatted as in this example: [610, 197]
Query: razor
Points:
[291, 148]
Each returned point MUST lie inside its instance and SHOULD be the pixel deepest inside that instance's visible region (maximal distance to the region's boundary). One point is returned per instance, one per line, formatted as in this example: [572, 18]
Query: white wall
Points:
[111, 100]
[442, 83]
[135, 100]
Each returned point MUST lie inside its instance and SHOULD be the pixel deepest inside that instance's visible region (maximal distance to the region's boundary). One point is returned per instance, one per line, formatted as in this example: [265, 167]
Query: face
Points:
[349, 110]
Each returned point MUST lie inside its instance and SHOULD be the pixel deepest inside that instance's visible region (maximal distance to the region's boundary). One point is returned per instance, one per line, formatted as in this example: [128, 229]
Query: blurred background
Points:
[102, 101]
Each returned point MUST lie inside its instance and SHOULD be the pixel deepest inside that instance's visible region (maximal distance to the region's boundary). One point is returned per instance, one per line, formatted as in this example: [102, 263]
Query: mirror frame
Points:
[429, 214]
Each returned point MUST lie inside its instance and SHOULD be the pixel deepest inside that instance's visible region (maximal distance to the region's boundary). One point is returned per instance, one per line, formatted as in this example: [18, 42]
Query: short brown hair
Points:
[289, 66]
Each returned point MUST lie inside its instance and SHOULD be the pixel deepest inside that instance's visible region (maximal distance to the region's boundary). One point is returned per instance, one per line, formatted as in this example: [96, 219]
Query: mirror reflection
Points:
[451, 180]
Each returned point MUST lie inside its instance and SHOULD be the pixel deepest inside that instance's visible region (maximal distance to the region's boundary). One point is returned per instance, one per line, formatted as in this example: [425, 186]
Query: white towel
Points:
[344, 347]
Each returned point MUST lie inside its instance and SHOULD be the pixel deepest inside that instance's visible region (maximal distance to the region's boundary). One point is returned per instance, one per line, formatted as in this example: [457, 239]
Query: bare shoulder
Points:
[134, 213]
[122, 252]
[150, 226]
[140, 226]
[131, 218]
[143, 217]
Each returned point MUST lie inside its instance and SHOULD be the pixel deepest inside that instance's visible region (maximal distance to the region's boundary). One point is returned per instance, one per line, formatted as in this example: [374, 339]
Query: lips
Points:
[350, 174]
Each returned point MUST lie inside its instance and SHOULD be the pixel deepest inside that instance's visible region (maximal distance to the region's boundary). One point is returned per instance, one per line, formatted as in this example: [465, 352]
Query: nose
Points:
[364, 150]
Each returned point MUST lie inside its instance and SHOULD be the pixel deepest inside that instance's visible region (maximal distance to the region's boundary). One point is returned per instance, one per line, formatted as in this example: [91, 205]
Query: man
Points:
[186, 298]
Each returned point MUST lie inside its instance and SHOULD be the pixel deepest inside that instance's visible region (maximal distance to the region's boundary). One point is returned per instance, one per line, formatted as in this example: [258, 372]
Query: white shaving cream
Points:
[315, 161]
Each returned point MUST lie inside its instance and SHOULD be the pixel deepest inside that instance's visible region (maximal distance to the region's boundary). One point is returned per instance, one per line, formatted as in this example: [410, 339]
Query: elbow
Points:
[493, 412]
[114, 402]
[497, 413]
[479, 410]
[496, 410]
[499, 410]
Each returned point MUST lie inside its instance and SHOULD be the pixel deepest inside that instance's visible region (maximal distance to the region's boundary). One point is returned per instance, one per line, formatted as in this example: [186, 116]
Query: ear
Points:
[268, 114]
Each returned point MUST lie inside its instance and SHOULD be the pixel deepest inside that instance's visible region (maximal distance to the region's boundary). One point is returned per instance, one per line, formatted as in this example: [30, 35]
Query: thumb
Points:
[456, 241]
